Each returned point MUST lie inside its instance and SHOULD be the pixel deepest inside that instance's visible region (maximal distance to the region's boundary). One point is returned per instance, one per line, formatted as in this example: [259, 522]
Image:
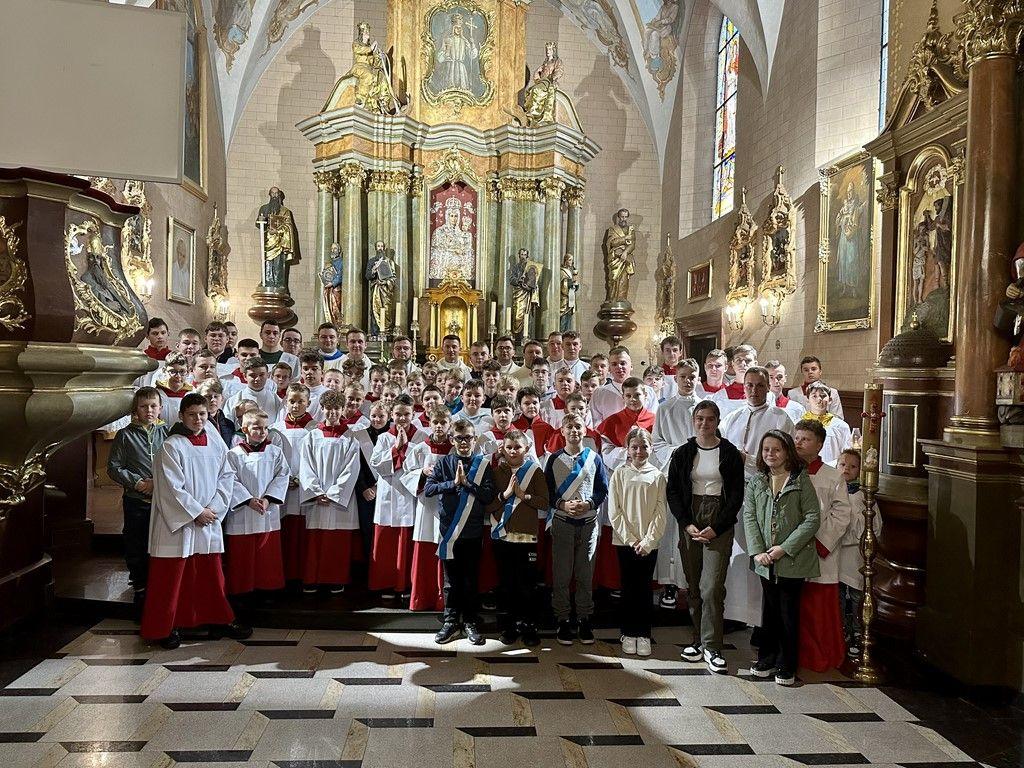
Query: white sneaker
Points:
[629, 645]
[692, 652]
[643, 646]
[715, 662]
[785, 679]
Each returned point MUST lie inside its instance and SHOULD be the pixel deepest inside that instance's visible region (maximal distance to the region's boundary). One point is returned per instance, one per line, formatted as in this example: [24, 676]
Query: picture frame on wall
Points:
[848, 243]
[698, 282]
[181, 262]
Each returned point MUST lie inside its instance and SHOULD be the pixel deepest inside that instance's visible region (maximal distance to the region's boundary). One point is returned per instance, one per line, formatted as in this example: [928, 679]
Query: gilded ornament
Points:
[452, 166]
[371, 70]
[351, 174]
[396, 182]
[457, 66]
[989, 28]
[103, 184]
[958, 166]
[17, 482]
[619, 246]
[888, 194]
[552, 188]
[741, 254]
[665, 277]
[778, 242]
[324, 180]
[13, 273]
[574, 197]
[217, 262]
[136, 236]
[516, 188]
[540, 95]
[103, 303]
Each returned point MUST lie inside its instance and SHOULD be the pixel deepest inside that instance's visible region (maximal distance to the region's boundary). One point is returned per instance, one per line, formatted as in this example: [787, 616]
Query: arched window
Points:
[725, 118]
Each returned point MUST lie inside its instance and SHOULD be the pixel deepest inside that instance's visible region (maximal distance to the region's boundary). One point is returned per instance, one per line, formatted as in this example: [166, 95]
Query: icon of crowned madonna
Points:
[453, 231]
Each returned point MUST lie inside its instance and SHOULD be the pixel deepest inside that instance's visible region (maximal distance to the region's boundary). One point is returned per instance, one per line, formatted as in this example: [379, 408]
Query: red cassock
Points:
[395, 511]
[427, 575]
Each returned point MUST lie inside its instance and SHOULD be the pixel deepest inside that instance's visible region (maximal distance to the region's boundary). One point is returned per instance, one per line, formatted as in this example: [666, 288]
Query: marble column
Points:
[388, 220]
[574, 223]
[326, 229]
[550, 293]
[352, 243]
[989, 30]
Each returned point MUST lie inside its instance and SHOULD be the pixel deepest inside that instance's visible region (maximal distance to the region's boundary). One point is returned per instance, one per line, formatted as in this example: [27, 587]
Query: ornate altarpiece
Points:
[457, 181]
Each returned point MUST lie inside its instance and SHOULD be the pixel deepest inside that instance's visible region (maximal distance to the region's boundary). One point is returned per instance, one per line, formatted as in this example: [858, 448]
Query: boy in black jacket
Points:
[465, 484]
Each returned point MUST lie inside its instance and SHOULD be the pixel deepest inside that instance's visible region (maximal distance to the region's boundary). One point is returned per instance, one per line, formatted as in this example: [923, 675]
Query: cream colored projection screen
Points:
[92, 88]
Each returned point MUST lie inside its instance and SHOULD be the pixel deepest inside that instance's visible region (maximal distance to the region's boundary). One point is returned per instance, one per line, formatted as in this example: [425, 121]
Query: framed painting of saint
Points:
[926, 263]
[847, 244]
[181, 262]
[457, 47]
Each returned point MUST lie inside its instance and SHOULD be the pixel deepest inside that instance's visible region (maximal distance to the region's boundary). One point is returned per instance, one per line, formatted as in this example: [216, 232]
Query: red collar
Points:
[668, 370]
[245, 446]
[423, 418]
[814, 466]
[498, 433]
[417, 408]
[558, 403]
[199, 439]
[176, 393]
[282, 392]
[441, 448]
[781, 401]
[304, 419]
[712, 388]
[352, 419]
[237, 373]
[333, 430]
[805, 385]
[522, 424]
[157, 354]
[735, 391]
[371, 398]
[409, 431]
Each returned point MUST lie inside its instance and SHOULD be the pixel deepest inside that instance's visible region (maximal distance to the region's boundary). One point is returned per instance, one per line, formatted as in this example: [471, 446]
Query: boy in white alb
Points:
[253, 526]
[294, 426]
[311, 373]
[328, 471]
[173, 387]
[257, 388]
[366, 486]
[553, 410]
[472, 406]
[192, 487]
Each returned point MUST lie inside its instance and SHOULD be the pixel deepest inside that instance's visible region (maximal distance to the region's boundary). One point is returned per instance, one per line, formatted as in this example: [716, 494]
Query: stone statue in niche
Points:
[372, 71]
[280, 240]
[382, 275]
[524, 279]
[619, 246]
[567, 294]
[539, 101]
[331, 277]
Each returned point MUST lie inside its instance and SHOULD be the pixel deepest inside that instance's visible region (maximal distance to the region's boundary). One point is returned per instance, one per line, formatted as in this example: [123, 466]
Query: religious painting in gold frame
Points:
[778, 242]
[926, 257]
[848, 243]
[181, 262]
[458, 43]
[195, 127]
[742, 255]
[698, 282]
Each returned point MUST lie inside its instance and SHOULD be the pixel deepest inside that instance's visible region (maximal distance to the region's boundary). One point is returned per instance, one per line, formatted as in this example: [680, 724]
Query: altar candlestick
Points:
[508, 320]
[398, 315]
[415, 307]
[494, 312]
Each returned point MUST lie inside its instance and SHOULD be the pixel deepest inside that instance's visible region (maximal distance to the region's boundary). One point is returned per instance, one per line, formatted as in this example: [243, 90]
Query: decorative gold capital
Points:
[351, 174]
[574, 197]
[887, 194]
[958, 166]
[396, 181]
[990, 28]
[515, 188]
[552, 188]
[324, 180]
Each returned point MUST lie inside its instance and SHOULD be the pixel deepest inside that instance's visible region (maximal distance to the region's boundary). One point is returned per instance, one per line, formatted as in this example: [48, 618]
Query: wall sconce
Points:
[734, 312]
[771, 307]
[144, 288]
[221, 306]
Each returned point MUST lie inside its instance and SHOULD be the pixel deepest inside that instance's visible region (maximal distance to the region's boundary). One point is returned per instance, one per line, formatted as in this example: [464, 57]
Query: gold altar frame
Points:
[852, 160]
[782, 203]
[904, 256]
[457, 98]
[742, 237]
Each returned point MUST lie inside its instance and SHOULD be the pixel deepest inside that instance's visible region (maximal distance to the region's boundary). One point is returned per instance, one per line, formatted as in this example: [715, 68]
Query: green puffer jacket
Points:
[791, 521]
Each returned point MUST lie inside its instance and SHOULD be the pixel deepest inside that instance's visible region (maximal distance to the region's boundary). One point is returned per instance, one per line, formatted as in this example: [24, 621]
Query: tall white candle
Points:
[398, 313]
[508, 320]
[494, 312]
[415, 307]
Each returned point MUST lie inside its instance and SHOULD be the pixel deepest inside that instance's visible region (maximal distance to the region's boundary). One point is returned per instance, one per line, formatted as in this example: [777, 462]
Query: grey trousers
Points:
[573, 552]
[706, 566]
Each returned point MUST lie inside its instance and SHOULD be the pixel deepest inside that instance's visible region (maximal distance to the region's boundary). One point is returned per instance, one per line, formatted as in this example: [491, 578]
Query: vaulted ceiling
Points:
[643, 39]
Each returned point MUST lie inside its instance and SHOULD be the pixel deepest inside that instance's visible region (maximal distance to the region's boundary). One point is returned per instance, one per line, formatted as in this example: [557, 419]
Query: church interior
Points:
[454, 260]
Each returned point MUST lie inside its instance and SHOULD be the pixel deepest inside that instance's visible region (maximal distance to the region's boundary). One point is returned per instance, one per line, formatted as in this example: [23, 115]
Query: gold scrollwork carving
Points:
[351, 174]
[13, 274]
[452, 166]
[988, 28]
[17, 482]
[395, 181]
[888, 193]
[455, 97]
[958, 166]
[324, 180]
[778, 242]
[574, 197]
[136, 236]
[552, 188]
[741, 254]
[416, 182]
[113, 311]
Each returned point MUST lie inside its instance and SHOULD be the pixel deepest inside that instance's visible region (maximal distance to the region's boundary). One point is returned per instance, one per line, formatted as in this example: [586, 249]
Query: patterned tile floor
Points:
[320, 699]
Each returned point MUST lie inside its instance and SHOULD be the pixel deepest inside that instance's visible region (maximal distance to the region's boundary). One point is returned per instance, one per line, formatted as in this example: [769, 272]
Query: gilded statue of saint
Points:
[280, 240]
[539, 102]
[372, 72]
[524, 279]
[382, 275]
[332, 277]
[567, 293]
[619, 245]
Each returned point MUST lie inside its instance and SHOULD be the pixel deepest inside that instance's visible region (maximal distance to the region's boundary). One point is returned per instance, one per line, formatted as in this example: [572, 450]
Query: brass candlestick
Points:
[866, 669]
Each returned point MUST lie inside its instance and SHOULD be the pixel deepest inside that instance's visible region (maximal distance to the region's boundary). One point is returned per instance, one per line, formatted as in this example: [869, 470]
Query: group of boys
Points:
[267, 462]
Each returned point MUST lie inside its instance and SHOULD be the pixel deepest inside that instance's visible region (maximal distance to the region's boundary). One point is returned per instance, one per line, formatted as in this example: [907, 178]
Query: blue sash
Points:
[466, 502]
[529, 466]
[571, 480]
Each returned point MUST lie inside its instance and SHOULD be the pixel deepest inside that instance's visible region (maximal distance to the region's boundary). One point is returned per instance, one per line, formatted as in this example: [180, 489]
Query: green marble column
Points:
[326, 231]
[551, 256]
[574, 223]
[353, 245]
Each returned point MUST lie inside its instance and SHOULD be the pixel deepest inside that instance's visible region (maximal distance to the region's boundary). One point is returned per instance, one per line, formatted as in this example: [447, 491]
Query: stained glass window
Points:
[883, 75]
[725, 118]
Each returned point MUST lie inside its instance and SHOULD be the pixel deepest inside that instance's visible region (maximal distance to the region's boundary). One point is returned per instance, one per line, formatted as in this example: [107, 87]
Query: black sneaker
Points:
[715, 662]
[237, 631]
[668, 597]
[615, 594]
[529, 636]
[337, 589]
[172, 641]
[565, 634]
[584, 632]
[785, 678]
[509, 636]
[692, 652]
[448, 632]
[473, 634]
[763, 669]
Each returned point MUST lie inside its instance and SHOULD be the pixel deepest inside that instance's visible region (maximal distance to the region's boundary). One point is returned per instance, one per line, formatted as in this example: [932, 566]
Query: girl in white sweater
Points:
[636, 511]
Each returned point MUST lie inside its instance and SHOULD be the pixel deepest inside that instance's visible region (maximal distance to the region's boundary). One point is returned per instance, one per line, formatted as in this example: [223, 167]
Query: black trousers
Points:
[136, 539]
[461, 576]
[517, 578]
[780, 623]
[365, 510]
[637, 607]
